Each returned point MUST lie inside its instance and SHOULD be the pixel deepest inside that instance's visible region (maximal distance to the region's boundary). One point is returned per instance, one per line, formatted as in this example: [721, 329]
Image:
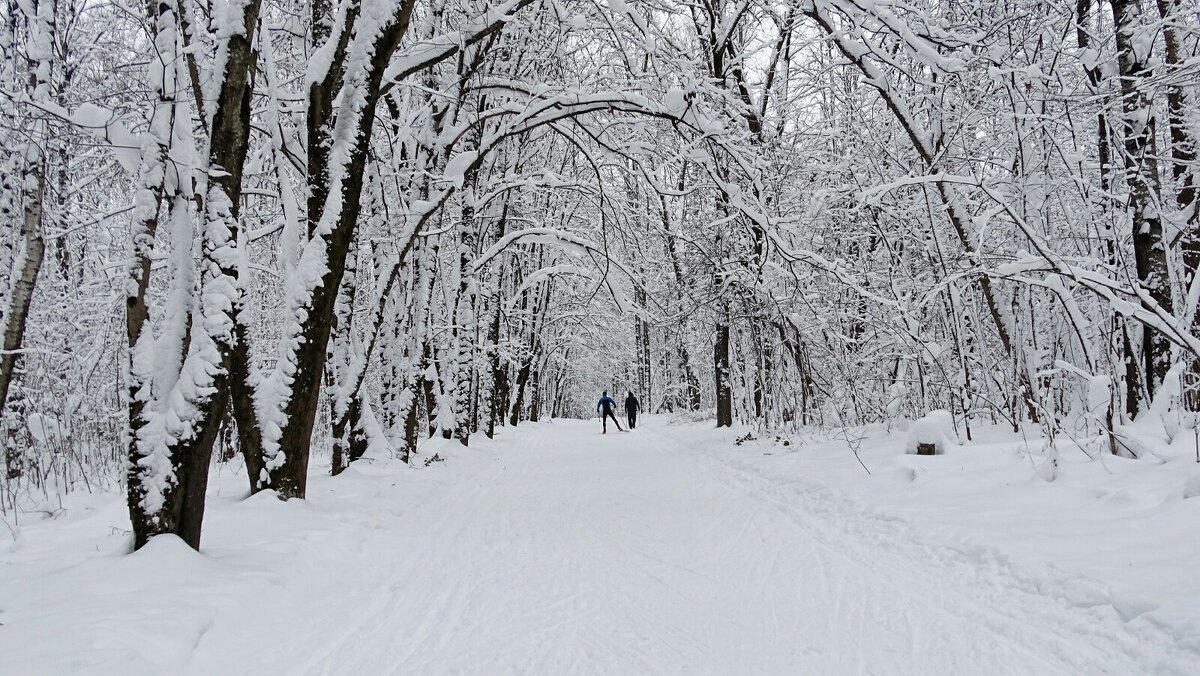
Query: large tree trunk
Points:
[1120, 340]
[464, 325]
[157, 504]
[1183, 171]
[1141, 165]
[24, 278]
[31, 177]
[331, 226]
[290, 477]
[150, 192]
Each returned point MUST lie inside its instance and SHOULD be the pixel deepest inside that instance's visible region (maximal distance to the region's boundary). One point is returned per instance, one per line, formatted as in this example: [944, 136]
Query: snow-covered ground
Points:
[558, 550]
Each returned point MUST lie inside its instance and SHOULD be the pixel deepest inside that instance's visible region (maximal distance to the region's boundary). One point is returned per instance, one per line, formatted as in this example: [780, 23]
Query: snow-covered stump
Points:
[930, 434]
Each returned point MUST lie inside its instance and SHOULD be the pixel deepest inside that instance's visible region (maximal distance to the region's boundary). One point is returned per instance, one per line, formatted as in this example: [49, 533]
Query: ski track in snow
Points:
[623, 553]
[564, 551]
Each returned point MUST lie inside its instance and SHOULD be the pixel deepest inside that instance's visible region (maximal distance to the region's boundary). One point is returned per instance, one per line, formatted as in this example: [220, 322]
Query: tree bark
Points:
[721, 373]
[290, 476]
[28, 264]
[1183, 171]
[32, 248]
[1141, 165]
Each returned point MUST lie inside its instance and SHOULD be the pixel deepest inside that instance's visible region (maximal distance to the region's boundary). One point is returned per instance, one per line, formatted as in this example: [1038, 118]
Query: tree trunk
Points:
[241, 394]
[289, 477]
[519, 400]
[535, 396]
[349, 439]
[412, 424]
[1183, 163]
[26, 267]
[182, 500]
[428, 387]
[32, 248]
[1120, 341]
[495, 402]
[721, 374]
[464, 326]
[305, 349]
[1141, 165]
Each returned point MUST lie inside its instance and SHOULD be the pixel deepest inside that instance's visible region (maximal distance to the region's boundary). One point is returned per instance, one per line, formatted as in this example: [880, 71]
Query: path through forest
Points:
[553, 550]
[626, 553]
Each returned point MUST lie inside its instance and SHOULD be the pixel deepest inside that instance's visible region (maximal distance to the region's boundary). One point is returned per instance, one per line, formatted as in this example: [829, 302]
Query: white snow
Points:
[557, 550]
[935, 427]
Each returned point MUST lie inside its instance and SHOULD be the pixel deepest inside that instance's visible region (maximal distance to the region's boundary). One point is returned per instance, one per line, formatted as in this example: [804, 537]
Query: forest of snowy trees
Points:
[280, 228]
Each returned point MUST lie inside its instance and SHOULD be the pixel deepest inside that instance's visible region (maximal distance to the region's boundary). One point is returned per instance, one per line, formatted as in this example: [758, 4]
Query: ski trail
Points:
[972, 586]
[573, 552]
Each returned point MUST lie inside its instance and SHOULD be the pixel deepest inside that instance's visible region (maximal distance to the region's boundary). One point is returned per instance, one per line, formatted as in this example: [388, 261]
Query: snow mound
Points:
[933, 429]
[1191, 486]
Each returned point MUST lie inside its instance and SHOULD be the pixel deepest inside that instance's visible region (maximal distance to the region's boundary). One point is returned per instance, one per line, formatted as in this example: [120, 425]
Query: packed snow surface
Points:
[667, 550]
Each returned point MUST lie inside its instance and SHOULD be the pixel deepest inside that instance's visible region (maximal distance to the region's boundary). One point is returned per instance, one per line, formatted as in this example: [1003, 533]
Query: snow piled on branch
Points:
[561, 239]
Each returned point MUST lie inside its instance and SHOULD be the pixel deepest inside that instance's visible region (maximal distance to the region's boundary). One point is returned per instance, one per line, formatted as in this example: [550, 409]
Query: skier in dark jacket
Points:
[631, 410]
[606, 407]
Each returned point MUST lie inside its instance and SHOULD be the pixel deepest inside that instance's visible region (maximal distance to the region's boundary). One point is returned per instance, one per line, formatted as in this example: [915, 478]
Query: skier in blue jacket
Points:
[606, 407]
